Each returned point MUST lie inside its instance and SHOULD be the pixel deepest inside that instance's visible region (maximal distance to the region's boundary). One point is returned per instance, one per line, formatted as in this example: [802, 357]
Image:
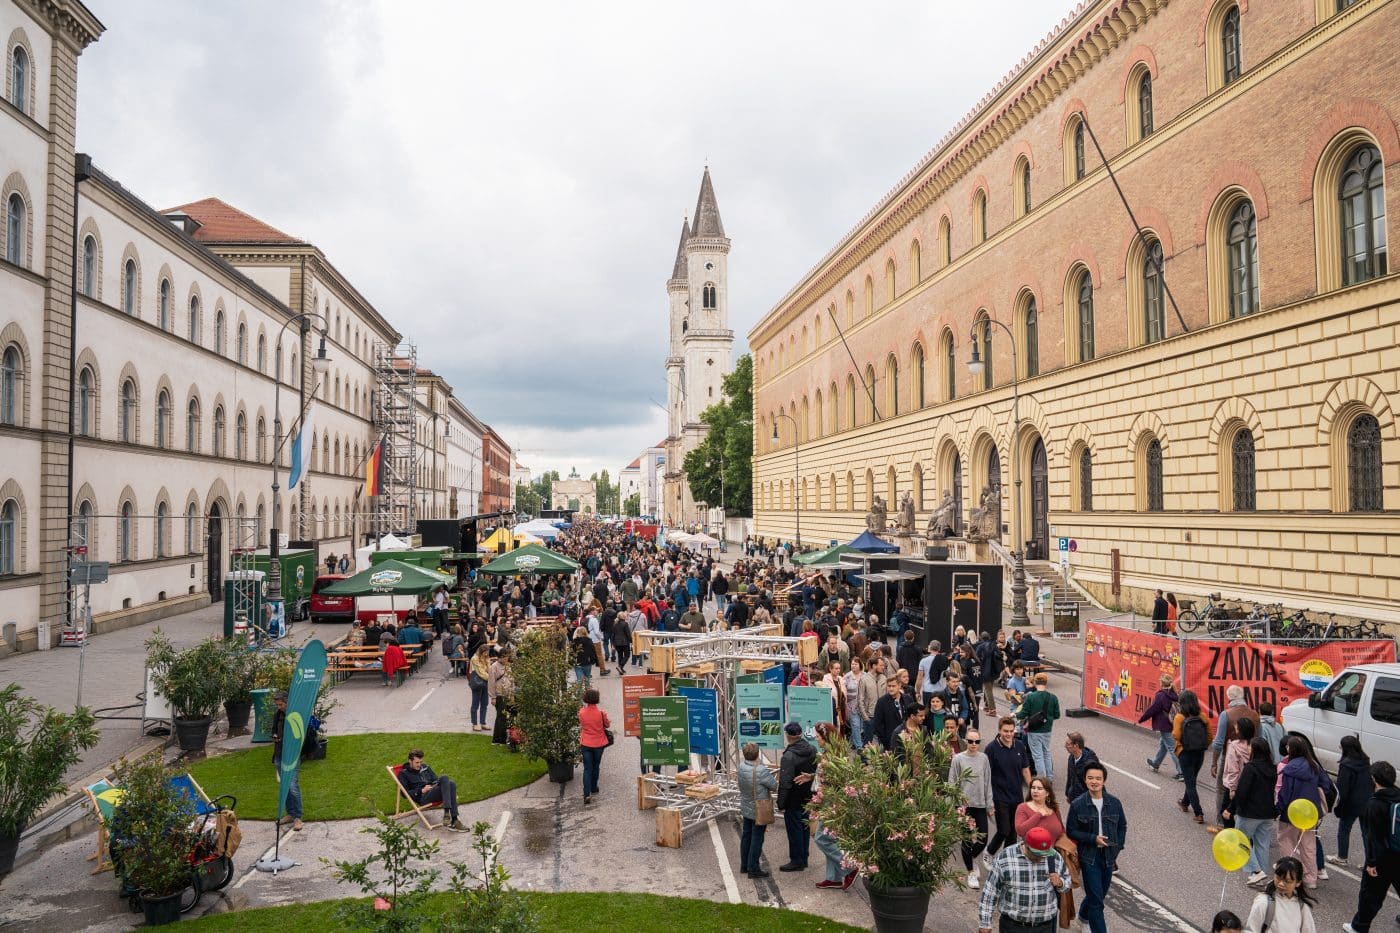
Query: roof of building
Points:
[682, 268]
[221, 222]
[707, 222]
[634, 465]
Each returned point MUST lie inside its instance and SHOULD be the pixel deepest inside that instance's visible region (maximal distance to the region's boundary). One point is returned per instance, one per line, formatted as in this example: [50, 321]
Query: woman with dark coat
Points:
[1354, 790]
[1252, 808]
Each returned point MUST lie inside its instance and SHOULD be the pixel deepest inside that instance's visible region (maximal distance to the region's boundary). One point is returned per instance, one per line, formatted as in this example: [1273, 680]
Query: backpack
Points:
[1393, 840]
[1195, 737]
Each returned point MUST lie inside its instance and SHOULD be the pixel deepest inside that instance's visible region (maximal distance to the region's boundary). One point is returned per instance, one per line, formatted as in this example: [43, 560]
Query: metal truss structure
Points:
[395, 418]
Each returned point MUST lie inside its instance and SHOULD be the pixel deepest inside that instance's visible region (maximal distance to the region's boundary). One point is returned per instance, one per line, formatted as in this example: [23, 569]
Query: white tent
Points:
[540, 528]
[678, 537]
[704, 541]
[386, 543]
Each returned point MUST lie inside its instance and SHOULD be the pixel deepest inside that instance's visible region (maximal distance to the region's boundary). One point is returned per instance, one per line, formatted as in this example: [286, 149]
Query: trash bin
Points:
[263, 711]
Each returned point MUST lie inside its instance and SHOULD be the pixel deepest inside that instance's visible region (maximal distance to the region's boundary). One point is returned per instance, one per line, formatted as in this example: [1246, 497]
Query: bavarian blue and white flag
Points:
[301, 451]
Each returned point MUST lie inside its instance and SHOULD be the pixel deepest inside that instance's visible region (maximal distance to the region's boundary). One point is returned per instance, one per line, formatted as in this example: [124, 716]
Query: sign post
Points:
[665, 725]
[301, 701]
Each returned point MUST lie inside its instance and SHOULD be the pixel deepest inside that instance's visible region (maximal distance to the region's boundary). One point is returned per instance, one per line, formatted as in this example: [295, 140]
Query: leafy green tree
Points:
[527, 498]
[727, 450]
[633, 506]
[607, 493]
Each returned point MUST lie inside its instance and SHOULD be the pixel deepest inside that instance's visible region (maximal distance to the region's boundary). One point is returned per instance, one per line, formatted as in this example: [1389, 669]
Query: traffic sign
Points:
[1064, 544]
[89, 572]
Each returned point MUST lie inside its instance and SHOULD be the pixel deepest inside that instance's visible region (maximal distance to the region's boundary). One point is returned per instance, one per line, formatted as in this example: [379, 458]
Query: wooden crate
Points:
[663, 660]
[668, 827]
[807, 650]
[691, 777]
[703, 791]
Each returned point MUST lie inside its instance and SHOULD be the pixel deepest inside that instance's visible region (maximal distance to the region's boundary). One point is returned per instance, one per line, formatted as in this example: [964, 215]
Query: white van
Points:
[1363, 701]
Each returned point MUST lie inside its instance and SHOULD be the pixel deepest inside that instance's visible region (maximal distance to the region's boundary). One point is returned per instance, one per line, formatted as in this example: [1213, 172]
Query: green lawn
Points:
[576, 912]
[351, 781]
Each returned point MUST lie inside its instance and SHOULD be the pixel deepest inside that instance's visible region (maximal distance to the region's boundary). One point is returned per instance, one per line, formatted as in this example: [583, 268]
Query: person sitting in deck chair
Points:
[426, 787]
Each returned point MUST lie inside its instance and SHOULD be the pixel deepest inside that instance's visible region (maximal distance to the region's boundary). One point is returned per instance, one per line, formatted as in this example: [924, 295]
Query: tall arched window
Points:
[9, 532]
[85, 401]
[868, 395]
[945, 242]
[191, 529]
[1362, 201]
[164, 304]
[1230, 45]
[1144, 103]
[262, 440]
[11, 369]
[1153, 460]
[984, 327]
[979, 216]
[891, 387]
[950, 365]
[219, 424]
[129, 287]
[1031, 335]
[1243, 246]
[125, 545]
[1025, 187]
[1080, 165]
[126, 417]
[1365, 484]
[14, 230]
[162, 526]
[850, 402]
[1242, 471]
[1154, 315]
[193, 332]
[219, 344]
[917, 375]
[262, 353]
[192, 426]
[241, 346]
[19, 79]
[1086, 317]
[163, 419]
[240, 436]
[1086, 480]
[708, 296]
[90, 266]
[83, 529]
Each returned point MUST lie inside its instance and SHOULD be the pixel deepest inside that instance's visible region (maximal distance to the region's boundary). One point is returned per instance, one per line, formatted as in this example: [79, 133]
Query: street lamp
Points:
[320, 364]
[796, 469]
[977, 366]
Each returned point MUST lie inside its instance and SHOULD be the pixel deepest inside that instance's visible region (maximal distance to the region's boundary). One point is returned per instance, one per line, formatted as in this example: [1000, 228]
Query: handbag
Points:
[611, 738]
[762, 809]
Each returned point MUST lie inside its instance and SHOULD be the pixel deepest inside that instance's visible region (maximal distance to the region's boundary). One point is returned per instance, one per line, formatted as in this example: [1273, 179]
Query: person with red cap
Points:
[1024, 884]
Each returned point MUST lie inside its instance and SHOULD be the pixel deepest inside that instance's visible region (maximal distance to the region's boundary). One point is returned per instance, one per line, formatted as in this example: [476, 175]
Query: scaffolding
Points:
[396, 424]
[243, 546]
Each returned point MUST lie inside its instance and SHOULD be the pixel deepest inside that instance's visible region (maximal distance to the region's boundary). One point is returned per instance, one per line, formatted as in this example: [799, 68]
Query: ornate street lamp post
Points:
[796, 470]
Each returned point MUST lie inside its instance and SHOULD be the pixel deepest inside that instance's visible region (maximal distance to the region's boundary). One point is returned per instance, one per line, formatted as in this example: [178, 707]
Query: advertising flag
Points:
[301, 451]
[301, 700]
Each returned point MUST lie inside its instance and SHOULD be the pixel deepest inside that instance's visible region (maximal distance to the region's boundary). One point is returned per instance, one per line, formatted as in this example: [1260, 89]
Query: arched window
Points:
[1230, 45]
[163, 419]
[708, 296]
[11, 372]
[191, 529]
[194, 319]
[14, 230]
[1243, 246]
[240, 436]
[219, 344]
[889, 281]
[19, 79]
[868, 395]
[916, 272]
[950, 365]
[916, 374]
[126, 417]
[1085, 304]
[1361, 197]
[1079, 161]
[891, 387]
[219, 424]
[1086, 480]
[1364, 481]
[90, 266]
[192, 426]
[869, 296]
[241, 346]
[9, 532]
[1154, 316]
[984, 327]
[1030, 334]
[82, 532]
[979, 216]
[1153, 463]
[1022, 180]
[1144, 105]
[945, 242]
[86, 398]
[850, 402]
[129, 287]
[162, 523]
[262, 353]
[125, 543]
[1242, 471]
[262, 440]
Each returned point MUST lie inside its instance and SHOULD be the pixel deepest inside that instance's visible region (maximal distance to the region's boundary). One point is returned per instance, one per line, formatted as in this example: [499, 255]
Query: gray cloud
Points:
[504, 182]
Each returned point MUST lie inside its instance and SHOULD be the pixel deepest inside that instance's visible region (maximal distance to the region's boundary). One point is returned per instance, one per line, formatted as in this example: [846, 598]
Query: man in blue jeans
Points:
[1097, 824]
[279, 721]
[795, 775]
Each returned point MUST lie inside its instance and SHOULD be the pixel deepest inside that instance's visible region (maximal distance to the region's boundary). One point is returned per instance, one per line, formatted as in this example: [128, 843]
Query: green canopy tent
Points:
[391, 578]
[532, 558]
[829, 555]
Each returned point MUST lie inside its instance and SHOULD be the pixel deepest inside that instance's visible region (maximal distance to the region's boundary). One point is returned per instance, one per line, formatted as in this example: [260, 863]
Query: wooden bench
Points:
[359, 659]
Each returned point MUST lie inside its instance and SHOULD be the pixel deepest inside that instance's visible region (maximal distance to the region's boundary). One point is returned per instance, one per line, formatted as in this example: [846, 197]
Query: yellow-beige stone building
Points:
[1207, 387]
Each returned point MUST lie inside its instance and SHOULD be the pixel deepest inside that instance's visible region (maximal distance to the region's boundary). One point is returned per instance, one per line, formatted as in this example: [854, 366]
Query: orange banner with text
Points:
[1122, 669]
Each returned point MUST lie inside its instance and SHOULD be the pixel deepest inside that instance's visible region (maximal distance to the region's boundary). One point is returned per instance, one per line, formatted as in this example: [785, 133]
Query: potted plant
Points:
[151, 837]
[546, 704]
[240, 671]
[273, 671]
[38, 744]
[897, 824]
[193, 681]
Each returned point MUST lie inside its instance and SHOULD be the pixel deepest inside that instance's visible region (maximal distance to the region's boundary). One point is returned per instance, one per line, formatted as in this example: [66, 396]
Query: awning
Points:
[888, 576]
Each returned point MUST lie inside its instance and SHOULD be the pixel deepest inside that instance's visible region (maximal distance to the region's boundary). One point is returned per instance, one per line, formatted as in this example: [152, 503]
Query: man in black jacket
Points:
[1080, 758]
[1382, 858]
[795, 773]
[279, 722]
[424, 787]
[889, 713]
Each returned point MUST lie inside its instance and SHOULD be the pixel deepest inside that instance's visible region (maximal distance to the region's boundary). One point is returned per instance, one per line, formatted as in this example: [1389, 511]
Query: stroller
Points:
[211, 859]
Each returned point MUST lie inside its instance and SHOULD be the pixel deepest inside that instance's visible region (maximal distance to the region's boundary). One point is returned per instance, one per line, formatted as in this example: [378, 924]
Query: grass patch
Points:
[351, 781]
[577, 912]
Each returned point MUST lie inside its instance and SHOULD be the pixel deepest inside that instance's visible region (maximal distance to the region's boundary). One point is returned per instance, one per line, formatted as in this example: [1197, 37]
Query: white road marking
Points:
[1130, 776]
[1357, 878]
[501, 826]
[1167, 920]
[285, 836]
[422, 701]
[730, 886]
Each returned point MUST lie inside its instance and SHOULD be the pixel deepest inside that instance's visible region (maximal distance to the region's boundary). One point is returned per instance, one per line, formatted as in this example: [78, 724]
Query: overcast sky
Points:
[505, 181]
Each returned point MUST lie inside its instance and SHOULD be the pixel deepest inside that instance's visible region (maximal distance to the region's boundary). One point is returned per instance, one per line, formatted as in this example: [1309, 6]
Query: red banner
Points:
[1277, 673]
[1122, 669]
[634, 687]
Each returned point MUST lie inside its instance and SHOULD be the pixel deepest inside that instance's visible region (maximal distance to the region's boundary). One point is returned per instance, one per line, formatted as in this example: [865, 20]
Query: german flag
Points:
[374, 471]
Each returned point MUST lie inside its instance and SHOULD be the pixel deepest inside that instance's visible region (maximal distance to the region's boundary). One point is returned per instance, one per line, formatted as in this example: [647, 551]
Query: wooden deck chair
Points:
[186, 786]
[401, 797]
[104, 799]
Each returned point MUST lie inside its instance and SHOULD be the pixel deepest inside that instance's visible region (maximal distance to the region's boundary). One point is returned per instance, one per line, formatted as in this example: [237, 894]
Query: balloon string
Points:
[1225, 881]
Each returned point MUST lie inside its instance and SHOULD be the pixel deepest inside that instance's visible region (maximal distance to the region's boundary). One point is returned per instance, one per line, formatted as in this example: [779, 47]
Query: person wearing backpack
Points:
[1302, 778]
[1380, 831]
[1285, 906]
[1192, 735]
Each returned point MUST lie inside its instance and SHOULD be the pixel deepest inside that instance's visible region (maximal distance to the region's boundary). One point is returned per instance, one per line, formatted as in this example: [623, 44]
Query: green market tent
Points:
[532, 558]
[391, 578]
[827, 556]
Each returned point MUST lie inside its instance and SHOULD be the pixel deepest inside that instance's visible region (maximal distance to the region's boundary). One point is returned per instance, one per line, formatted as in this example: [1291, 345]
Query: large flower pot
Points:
[8, 846]
[238, 713]
[192, 734]
[561, 772]
[897, 910]
[161, 910]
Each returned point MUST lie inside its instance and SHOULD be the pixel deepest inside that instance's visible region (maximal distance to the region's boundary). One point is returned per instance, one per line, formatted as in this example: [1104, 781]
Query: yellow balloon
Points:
[1302, 814]
[1231, 849]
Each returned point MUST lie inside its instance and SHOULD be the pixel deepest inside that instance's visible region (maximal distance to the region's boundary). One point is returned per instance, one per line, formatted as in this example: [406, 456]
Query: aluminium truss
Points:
[396, 424]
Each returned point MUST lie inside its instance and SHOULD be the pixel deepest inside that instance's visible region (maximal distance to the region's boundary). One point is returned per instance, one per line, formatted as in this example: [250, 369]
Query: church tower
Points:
[701, 344]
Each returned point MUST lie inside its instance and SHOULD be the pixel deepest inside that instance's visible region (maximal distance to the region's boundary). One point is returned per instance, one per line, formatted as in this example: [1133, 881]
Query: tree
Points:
[527, 498]
[607, 493]
[727, 450]
[633, 506]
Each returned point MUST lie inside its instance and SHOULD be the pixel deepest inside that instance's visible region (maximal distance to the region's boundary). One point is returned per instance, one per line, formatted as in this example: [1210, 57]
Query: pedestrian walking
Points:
[478, 674]
[1285, 906]
[1011, 775]
[1099, 827]
[1252, 806]
[1159, 614]
[1226, 730]
[1192, 735]
[1302, 778]
[993, 666]
[1378, 832]
[797, 770]
[622, 638]
[1024, 885]
[1040, 808]
[1038, 713]
[500, 687]
[593, 739]
[1354, 791]
[972, 772]
[1159, 714]
[1080, 757]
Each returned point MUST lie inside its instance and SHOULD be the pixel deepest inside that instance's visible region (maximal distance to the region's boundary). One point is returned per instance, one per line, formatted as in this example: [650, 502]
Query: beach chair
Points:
[104, 799]
[401, 797]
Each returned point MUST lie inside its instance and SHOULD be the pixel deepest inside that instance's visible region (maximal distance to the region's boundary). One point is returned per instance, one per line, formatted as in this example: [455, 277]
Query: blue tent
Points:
[872, 545]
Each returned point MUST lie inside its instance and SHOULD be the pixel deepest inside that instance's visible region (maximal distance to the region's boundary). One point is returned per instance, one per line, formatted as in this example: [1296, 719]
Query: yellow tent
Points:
[500, 541]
